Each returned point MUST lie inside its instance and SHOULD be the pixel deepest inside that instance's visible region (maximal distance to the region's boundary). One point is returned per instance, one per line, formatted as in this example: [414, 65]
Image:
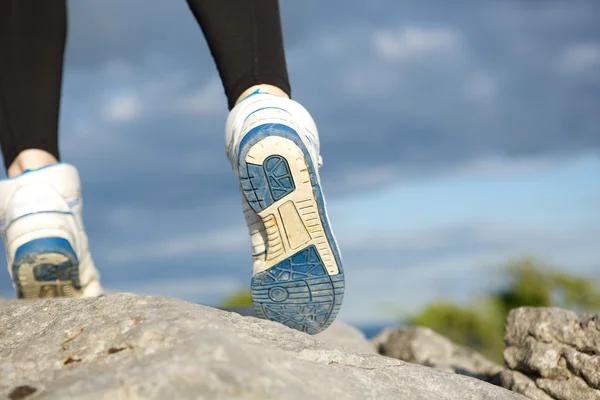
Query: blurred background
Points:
[455, 140]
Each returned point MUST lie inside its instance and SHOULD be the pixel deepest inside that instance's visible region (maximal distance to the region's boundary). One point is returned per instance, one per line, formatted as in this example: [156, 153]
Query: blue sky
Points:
[453, 140]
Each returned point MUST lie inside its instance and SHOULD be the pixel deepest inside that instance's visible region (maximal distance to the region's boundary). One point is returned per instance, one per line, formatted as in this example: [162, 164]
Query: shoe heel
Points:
[46, 267]
[302, 283]
[298, 292]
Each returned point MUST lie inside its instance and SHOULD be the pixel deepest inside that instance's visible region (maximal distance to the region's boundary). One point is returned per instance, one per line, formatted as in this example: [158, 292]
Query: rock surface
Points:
[424, 346]
[348, 337]
[517, 382]
[125, 346]
[552, 353]
[338, 332]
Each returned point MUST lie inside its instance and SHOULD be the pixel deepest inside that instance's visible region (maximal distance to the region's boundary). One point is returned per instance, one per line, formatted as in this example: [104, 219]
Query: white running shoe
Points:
[44, 237]
[297, 278]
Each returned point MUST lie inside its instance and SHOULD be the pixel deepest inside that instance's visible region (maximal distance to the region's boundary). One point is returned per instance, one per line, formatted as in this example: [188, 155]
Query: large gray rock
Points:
[125, 346]
[424, 346]
[556, 350]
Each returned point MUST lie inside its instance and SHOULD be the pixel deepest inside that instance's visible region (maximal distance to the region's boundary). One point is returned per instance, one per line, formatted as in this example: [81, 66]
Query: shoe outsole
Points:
[46, 267]
[302, 285]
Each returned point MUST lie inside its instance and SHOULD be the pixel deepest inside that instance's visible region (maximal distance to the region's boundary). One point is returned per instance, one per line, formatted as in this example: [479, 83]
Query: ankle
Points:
[264, 88]
[30, 159]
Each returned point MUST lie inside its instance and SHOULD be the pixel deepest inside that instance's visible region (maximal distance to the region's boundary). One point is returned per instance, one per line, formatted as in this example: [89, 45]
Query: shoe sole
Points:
[302, 284]
[46, 267]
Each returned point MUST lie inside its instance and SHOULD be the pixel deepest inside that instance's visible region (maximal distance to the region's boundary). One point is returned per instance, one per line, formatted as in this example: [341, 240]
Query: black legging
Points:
[244, 37]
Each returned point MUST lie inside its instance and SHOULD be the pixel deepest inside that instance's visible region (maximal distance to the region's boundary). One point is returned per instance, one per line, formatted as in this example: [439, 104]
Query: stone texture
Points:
[517, 382]
[125, 346]
[423, 346]
[558, 351]
[554, 325]
[338, 332]
[572, 387]
[348, 337]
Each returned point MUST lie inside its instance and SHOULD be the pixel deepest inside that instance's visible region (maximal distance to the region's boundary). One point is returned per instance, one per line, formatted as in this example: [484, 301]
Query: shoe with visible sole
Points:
[44, 237]
[297, 280]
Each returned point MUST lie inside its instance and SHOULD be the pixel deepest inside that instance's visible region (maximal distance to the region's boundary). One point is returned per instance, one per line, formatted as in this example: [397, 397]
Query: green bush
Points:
[481, 324]
[243, 298]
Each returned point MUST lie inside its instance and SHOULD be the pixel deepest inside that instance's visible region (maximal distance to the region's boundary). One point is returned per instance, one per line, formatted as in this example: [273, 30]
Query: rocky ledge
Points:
[550, 353]
[125, 346]
[420, 345]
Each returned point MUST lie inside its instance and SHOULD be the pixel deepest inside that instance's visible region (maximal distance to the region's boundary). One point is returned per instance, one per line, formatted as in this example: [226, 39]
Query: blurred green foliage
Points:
[480, 325]
[243, 298]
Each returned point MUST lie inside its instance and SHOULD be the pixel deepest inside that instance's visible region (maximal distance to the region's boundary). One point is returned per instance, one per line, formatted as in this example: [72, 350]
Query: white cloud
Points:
[581, 58]
[480, 86]
[122, 108]
[185, 288]
[82, 129]
[121, 217]
[488, 165]
[494, 165]
[414, 42]
[213, 241]
[383, 275]
[206, 100]
[334, 45]
[118, 70]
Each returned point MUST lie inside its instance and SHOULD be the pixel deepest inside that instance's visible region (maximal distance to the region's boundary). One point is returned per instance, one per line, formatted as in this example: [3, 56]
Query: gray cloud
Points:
[444, 86]
[398, 89]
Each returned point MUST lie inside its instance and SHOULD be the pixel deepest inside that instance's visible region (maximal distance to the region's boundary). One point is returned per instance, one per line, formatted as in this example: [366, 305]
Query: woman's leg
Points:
[42, 227]
[245, 40]
[273, 145]
[32, 42]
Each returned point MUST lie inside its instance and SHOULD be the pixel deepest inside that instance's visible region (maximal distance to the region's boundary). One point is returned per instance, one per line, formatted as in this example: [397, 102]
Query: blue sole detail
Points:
[34, 254]
[298, 292]
[305, 301]
[265, 184]
[256, 189]
[279, 177]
